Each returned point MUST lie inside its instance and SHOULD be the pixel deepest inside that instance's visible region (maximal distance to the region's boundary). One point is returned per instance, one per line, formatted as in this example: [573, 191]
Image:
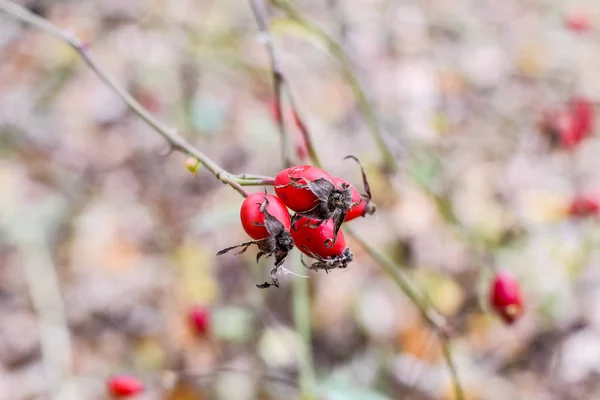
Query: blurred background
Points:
[108, 243]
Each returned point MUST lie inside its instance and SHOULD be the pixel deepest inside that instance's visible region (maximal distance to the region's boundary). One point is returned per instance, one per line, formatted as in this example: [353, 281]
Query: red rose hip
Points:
[253, 220]
[311, 238]
[123, 386]
[199, 319]
[292, 186]
[583, 206]
[505, 297]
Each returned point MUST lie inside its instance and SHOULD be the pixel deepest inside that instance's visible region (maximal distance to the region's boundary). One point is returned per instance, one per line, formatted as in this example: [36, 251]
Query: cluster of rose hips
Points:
[320, 202]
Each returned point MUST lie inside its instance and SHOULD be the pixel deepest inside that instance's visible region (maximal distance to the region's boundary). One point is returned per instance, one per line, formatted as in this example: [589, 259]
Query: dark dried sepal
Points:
[279, 243]
[334, 203]
[370, 207]
[329, 263]
[366, 185]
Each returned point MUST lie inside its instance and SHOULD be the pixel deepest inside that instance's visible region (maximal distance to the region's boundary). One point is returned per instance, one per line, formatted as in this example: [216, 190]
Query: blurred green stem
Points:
[432, 316]
[458, 390]
[176, 142]
[251, 182]
[302, 322]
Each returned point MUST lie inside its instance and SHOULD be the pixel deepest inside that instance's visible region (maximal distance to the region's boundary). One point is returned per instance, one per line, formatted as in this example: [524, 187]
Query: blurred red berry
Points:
[582, 111]
[568, 126]
[584, 206]
[123, 386]
[577, 21]
[505, 296]
[199, 319]
[312, 238]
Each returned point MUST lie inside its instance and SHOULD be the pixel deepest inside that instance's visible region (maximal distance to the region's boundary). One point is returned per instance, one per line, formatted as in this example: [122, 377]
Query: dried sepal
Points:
[370, 207]
[278, 243]
[329, 263]
[334, 202]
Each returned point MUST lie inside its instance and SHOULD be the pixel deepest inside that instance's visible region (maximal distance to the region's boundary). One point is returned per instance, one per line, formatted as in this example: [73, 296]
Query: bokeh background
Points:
[107, 241]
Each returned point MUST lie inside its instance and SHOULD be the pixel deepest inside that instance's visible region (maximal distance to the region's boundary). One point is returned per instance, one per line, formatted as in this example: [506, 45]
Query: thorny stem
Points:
[176, 142]
[280, 83]
[363, 103]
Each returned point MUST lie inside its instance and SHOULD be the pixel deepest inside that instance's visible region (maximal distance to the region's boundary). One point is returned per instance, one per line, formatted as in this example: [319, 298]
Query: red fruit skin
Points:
[123, 386]
[297, 199]
[314, 238]
[199, 319]
[583, 206]
[250, 214]
[505, 297]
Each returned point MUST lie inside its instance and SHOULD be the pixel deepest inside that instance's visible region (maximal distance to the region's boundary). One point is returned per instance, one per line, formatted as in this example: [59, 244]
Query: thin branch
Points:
[251, 182]
[312, 152]
[432, 316]
[280, 82]
[252, 177]
[176, 142]
[184, 374]
[301, 309]
[261, 17]
[347, 68]
[47, 301]
[458, 390]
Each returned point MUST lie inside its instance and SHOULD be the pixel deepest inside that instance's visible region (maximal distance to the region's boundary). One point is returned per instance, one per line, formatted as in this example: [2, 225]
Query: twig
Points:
[363, 103]
[211, 375]
[280, 82]
[48, 304]
[278, 78]
[250, 182]
[458, 390]
[432, 316]
[176, 142]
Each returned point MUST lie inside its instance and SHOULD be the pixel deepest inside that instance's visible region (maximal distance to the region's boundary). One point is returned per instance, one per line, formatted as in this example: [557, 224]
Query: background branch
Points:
[176, 142]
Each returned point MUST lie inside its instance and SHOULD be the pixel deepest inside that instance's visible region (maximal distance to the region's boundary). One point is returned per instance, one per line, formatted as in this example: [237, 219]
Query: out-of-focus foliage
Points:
[87, 192]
